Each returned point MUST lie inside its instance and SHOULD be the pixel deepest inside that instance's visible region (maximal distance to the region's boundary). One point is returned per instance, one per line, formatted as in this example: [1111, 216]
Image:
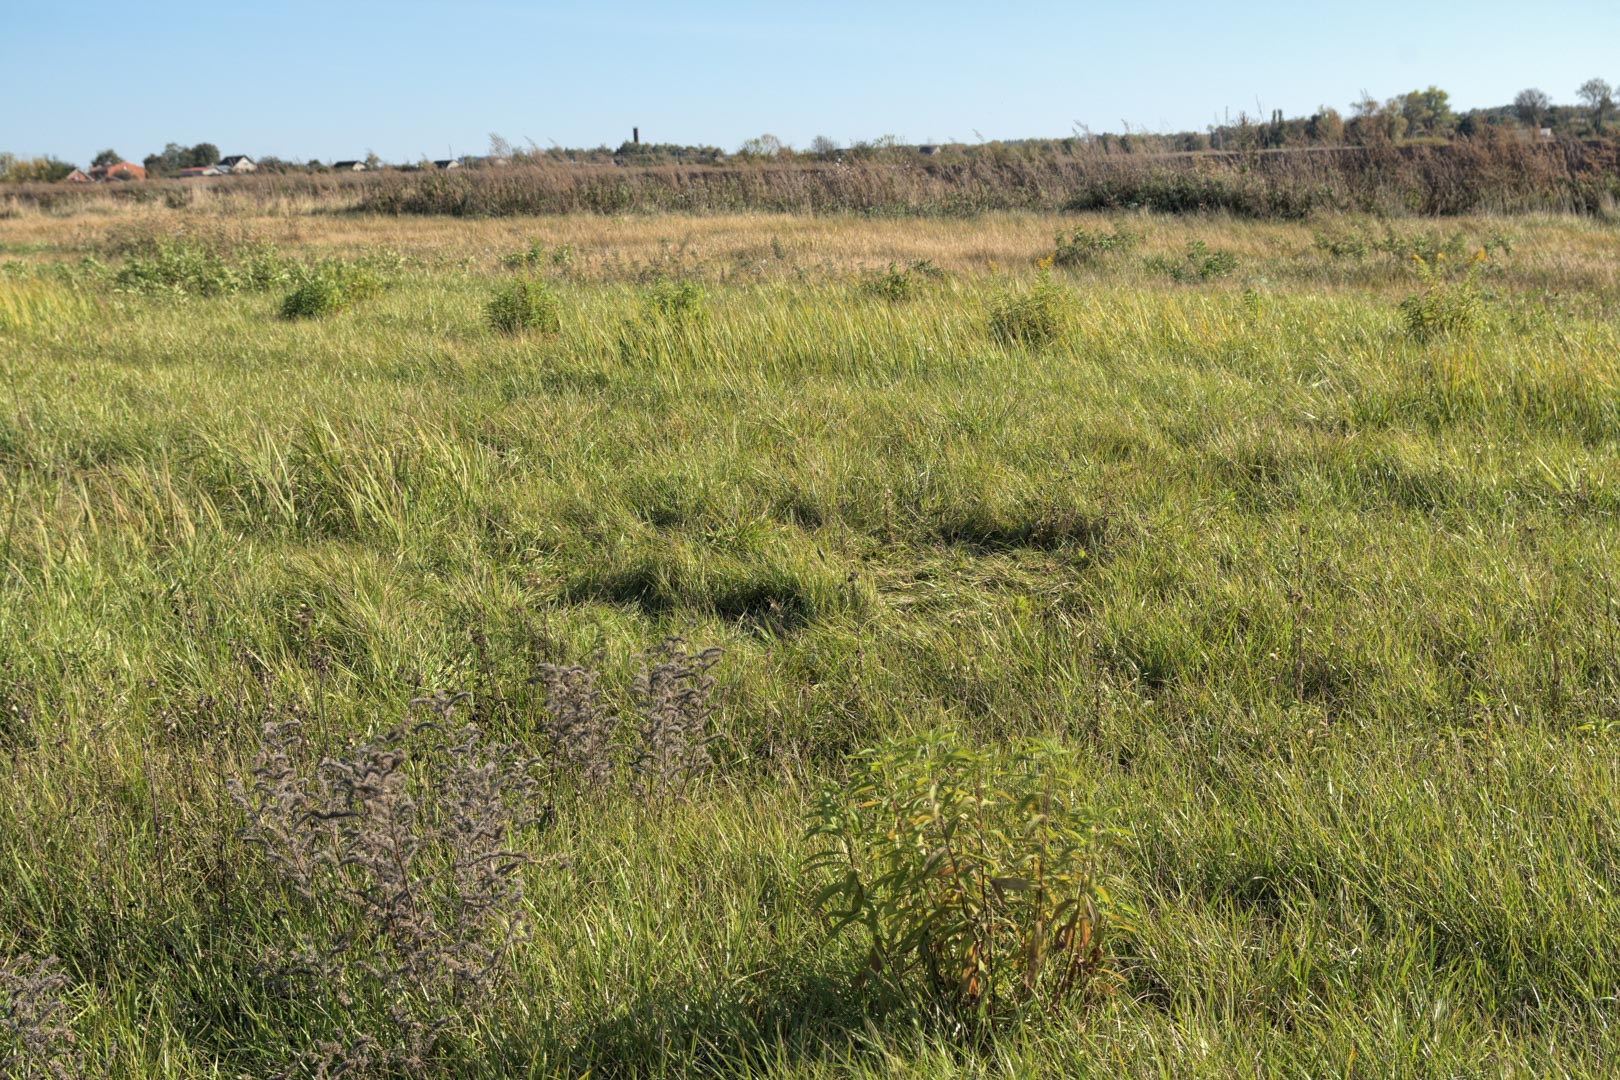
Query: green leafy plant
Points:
[178, 267]
[328, 289]
[1085, 246]
[530, 258]
[1200, 263]
[1351, 244]
[1449, 301]
[527, 304]
[899, 283]
[674, 323]
[1033, 317]
[972, 874]
[678, 303]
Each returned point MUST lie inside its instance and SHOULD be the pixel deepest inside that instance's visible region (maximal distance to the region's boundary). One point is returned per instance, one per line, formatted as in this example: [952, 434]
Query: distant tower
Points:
[635, 135]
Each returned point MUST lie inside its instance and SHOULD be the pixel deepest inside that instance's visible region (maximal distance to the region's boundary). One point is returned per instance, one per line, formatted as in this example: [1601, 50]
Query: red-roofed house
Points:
[124, 170]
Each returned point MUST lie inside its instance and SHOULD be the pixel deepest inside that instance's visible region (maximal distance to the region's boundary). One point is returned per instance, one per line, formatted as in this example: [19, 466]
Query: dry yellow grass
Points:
[1556, 253]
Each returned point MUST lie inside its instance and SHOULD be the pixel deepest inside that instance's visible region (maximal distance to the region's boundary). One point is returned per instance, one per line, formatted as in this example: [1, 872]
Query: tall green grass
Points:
[1325, 616]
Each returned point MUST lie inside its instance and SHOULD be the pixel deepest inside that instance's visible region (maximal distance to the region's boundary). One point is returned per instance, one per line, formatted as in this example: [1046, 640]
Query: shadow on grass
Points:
[1042, 529]
[769, 598]
[740, 1029]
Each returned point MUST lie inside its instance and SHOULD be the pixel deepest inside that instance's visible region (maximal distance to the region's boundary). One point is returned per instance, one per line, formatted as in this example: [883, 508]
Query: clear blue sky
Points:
[414, 77]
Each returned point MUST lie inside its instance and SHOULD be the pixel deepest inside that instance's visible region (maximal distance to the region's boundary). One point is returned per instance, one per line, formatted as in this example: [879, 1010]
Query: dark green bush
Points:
[329, 288]
[312, 298]
[528, 304]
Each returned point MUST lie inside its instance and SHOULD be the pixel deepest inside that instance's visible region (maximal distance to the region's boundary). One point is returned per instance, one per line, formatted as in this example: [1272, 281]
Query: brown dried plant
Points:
[674, 691]
[400, 851]
[35, 1039]
[579, 728]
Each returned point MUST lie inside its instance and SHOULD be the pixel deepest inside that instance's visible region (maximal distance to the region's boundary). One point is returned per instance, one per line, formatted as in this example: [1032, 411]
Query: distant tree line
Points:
[1416, 116]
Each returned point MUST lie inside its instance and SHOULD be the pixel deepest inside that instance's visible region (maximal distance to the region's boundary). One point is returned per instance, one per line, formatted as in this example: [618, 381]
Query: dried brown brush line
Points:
[1491, 172]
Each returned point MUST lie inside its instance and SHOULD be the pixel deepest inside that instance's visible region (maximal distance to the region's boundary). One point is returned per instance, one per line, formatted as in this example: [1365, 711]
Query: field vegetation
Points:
[1495, 170]
[1021, 644]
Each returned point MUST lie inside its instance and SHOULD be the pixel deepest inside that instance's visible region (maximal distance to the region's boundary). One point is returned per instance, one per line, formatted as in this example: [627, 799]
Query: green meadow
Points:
[1302, 559]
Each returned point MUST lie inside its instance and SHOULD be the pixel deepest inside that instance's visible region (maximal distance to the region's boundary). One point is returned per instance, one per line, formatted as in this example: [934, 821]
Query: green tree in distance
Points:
[1599, 97]
[1531, 105]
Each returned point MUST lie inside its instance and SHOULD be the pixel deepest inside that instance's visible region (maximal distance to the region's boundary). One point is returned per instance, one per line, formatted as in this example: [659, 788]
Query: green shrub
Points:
[679, 303]
[312, 298]
[177, 266]
[530, 258]
[902, 282]
[1033, 318]
[1198, 264]
[1084, 246]
[528, 304]
[673, 324]
[191, 267]
[1448, 303]
[327, 289]
[1354, 244]
[972, 874]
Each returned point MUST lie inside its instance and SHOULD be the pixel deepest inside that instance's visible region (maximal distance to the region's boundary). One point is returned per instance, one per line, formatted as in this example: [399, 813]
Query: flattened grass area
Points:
[1332, 614]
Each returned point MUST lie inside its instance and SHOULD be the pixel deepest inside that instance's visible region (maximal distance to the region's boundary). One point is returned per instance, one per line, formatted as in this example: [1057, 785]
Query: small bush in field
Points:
[313, 298]
[674, 323]
[899, 283]
[1034, 317]
[1085, 246]
[525, 305]
[971, 874]
[679, 303]
[177, 266]
[1448, 303]
[328, 289]
[1348, 244]
[1200, 263]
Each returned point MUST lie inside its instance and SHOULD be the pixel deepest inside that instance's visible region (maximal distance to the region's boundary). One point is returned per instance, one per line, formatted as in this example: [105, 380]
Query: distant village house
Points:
[447, 163]
[348, 166]
[77, 176]
[237, 163]
[196, 171]
[123, 170]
